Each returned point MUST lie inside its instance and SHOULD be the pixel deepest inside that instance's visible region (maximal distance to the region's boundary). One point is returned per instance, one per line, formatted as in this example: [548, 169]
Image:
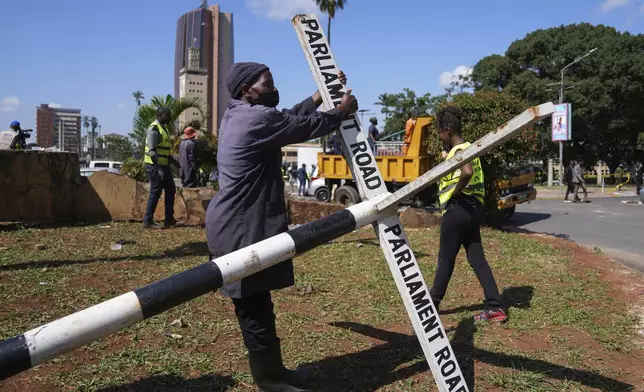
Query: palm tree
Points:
[138, 97]
[329, 7]
[146, 114]
[86, 123]
[94, 124]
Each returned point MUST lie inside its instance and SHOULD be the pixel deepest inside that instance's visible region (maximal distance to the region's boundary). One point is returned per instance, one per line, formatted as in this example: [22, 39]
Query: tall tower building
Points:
[210, 31]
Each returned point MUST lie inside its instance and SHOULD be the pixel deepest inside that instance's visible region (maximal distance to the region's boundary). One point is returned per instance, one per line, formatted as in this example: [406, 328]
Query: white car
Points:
[88, 171]
[318, 189]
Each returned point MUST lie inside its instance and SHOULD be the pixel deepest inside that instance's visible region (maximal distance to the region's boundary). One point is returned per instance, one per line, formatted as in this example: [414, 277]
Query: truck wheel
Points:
[347, 196]
[322, 194]
[418, 203]
[509, 211]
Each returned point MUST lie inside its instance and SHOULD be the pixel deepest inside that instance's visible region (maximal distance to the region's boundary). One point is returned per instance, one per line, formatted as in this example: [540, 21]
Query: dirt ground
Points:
[576, 317]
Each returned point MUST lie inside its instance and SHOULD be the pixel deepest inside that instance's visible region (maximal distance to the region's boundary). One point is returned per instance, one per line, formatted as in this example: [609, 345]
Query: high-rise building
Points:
[210, 31]
[58, 127]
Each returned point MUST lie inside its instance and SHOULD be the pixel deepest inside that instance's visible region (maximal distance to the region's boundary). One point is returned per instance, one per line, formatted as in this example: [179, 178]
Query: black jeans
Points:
[256, 320]
[570, 188]
[156, 187]
[460, 226]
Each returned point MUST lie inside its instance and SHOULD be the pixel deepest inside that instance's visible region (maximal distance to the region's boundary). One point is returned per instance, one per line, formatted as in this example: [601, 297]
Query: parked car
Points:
[106, 164]
[318, 189]
[88, 171]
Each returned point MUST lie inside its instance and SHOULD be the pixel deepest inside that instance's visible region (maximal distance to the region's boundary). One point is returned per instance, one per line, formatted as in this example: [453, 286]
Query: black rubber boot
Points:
[295, 377]
[269, 372]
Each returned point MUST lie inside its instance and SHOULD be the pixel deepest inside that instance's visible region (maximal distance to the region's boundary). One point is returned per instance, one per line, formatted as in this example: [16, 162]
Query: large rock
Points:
[304, 211]
[37, 186]
[111, 196]
[413, 218]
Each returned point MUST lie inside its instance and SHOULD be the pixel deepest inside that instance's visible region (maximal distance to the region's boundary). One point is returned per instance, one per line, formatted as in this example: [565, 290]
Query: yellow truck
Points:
[401, 162]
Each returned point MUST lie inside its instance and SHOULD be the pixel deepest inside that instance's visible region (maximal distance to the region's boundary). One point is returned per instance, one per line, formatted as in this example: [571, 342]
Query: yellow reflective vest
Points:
[163, 146]
[476, 186]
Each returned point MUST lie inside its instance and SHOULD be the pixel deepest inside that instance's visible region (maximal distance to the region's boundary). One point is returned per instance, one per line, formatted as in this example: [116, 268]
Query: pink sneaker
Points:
[496, 315]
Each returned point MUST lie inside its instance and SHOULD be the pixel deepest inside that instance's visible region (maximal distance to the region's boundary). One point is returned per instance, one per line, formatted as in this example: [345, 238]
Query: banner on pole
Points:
[561, 123]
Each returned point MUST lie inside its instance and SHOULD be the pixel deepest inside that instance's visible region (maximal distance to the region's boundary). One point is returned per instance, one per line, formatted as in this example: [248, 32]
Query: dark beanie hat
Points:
[243, 73]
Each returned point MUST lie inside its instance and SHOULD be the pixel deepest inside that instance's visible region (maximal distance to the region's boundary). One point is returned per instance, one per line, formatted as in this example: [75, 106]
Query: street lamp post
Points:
[561, 99]
[362, 112]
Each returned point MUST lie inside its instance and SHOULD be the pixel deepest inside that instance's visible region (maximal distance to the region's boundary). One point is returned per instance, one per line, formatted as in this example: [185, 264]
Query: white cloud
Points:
[54, 105]
[281, 9]
[120, 105]
[9, 104]
[448, 77]
[609, 5]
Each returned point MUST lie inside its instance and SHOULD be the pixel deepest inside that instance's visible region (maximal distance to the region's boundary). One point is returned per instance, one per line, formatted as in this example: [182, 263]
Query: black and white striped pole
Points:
[48, 341]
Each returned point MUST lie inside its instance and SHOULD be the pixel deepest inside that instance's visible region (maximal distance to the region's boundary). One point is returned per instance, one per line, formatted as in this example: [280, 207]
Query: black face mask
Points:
[270, 99]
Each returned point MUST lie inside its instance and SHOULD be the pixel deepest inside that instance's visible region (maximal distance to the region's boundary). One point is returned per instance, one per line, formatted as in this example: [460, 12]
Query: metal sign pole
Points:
[396, 248]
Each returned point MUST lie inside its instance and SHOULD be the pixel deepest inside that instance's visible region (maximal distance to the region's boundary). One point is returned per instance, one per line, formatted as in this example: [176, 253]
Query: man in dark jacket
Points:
[568, 180]
[302, 176]
[250, 207]
[188, 159]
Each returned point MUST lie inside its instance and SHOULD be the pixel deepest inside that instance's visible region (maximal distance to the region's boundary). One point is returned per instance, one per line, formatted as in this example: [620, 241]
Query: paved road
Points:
[616, 228]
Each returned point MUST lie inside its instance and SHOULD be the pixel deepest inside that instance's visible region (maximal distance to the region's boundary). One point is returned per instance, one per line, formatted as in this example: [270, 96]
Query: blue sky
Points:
[92, 54]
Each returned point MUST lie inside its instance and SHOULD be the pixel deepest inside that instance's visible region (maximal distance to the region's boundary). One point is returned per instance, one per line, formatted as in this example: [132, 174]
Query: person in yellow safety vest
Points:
[157, 163]
[461, 195]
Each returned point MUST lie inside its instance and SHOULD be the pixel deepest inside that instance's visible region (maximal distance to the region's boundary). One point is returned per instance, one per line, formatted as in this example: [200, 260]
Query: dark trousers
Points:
[570, 188]
[189, 178]
[460, 226]
[256, 320]
[582, 186]
[156, 187]
[302, 190]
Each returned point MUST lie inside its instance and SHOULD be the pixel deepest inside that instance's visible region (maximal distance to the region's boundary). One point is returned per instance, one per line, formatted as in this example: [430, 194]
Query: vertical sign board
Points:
[396, 248]
[561, 123]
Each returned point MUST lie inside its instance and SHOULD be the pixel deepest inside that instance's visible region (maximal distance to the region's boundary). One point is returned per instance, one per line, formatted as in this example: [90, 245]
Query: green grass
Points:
[565, 332]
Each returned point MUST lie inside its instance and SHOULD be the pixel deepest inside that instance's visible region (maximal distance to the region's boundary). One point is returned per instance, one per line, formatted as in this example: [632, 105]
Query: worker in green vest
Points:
[157, 162]
[461, 195]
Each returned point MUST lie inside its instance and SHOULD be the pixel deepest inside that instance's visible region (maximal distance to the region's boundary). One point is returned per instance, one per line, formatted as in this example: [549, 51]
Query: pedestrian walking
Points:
[579, 181]
[568, 180]
[302, 176]
[461, 196]
[157, 163]
[250, 207]
[638, 174]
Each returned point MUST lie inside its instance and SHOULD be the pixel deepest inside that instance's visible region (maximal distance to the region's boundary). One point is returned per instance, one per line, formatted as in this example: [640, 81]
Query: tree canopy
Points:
[146, 114]
[608, 93]
[400, 107]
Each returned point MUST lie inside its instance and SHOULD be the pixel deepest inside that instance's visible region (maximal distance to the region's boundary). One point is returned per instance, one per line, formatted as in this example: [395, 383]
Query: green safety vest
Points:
[476, 186]
[163, 146]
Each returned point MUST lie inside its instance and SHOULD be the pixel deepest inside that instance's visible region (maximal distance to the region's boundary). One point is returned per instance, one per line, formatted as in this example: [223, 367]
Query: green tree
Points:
[400, 107]
[483, 112]
[117, 148]
[138, 97]
[329, 7]
[607, 95]
[146, 114]
[86, 124]
[93, 121]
